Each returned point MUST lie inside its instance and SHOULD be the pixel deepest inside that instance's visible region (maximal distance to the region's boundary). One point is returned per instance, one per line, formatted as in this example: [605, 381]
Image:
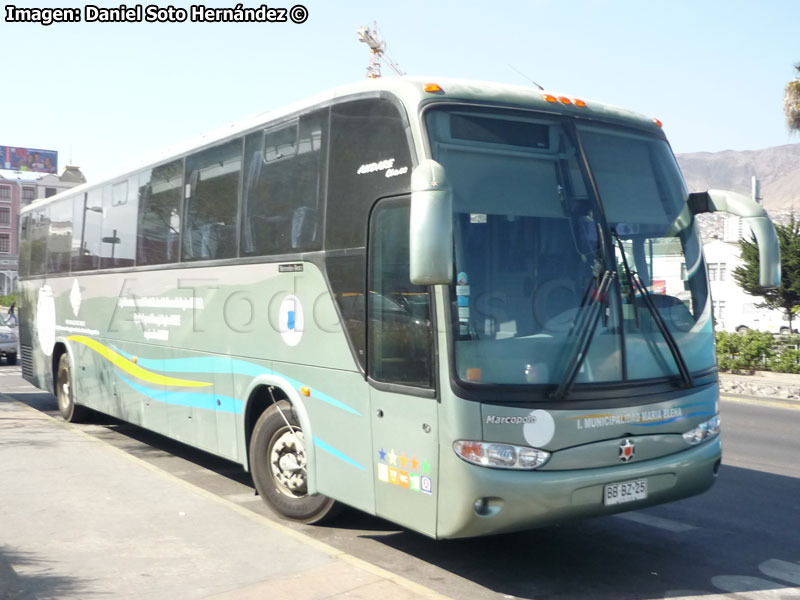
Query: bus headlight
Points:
[500, 456]
[703, 431]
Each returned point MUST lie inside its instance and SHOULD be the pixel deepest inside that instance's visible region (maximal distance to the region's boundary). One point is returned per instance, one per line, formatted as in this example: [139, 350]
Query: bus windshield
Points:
[545, 211]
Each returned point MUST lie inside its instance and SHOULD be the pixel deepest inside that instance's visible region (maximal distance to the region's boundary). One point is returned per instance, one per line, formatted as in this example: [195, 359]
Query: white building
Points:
[735, 310]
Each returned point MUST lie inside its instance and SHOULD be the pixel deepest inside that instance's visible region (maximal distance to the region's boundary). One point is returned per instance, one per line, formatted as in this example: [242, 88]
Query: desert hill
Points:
[778, 169]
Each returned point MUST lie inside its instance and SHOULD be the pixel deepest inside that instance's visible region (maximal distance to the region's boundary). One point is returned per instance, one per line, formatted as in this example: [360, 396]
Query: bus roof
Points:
[411, 90]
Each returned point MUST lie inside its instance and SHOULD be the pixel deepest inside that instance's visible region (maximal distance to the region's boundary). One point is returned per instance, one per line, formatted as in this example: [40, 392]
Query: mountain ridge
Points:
[777, 168]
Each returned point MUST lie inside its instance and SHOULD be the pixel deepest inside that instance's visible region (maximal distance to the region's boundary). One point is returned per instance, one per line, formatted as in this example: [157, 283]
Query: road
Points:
[739, 540]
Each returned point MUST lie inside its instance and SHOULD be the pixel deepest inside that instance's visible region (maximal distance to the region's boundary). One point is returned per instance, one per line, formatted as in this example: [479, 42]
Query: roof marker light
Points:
[564, 100]
[433, 88]
[550, 98]
[580, 103]
[659, 123]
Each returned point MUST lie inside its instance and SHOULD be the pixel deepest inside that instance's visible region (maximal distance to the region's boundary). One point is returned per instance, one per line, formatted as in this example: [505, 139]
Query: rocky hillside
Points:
[778, 169]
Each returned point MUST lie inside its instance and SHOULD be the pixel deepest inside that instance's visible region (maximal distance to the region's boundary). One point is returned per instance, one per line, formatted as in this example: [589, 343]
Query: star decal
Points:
[392, 457]
[426, 468]
[382, 454]
[403, 459]
[414, 464]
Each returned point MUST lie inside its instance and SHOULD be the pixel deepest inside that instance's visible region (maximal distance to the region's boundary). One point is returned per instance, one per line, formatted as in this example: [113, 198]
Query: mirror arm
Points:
[769, 252]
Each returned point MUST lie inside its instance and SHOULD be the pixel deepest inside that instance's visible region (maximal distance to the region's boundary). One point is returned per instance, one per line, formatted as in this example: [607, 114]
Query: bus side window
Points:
[118, 245]
[59, 239]
[212, 193]
[38, 238]
[282, 207]
[400, 340]
[25, 246]
[87, 211]
[159, 230]
[370, 158]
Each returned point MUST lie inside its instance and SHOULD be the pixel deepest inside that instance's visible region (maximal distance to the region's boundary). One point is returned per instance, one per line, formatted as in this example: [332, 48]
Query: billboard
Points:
[28, 159]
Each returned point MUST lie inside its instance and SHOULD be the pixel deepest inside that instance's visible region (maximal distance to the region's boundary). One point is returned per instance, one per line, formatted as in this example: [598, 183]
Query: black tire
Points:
[784, 331]
[742, 329]
[65, 393]
[277, 464]
[11, 358]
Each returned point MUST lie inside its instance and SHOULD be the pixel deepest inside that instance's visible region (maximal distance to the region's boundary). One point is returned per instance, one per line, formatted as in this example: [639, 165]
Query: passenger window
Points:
[88, 213]
[400, 340]
[282, 208]
[25, 246]
[59, 240]
[39, 230]
[159, 231]
[118, 244]
[211, 194]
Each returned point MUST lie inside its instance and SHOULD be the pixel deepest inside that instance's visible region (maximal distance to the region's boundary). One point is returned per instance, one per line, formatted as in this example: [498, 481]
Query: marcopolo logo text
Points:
[517, 420]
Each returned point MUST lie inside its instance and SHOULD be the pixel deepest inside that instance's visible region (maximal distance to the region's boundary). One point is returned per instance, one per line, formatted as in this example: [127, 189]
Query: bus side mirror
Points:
[769, 250]
[430, 245]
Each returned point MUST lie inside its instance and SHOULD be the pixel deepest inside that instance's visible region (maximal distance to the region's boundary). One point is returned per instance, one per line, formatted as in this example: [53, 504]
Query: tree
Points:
[791, 102]
[787, 295]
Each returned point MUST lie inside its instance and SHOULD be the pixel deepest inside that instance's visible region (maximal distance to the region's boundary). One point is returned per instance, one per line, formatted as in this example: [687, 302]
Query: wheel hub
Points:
[288, 463]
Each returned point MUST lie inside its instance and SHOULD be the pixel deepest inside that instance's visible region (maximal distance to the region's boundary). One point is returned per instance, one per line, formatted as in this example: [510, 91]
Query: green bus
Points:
[465, 307]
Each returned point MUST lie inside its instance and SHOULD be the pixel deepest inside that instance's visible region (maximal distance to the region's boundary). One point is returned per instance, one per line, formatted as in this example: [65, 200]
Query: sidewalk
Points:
[81, 519]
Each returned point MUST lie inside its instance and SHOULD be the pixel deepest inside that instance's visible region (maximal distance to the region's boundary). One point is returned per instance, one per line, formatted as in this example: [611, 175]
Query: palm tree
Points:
[791, 102]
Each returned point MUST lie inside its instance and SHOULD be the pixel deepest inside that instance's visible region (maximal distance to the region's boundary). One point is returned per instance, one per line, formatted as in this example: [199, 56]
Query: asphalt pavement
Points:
[82, 519]
[106, 510]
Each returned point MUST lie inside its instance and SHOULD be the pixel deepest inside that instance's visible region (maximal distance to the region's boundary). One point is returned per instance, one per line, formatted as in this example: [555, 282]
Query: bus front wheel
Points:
[278, 467]
[66, 394]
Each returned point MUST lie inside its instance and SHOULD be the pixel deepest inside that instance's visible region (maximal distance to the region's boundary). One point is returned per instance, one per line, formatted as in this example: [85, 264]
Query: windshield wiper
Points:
[636, 283]
[584, 329]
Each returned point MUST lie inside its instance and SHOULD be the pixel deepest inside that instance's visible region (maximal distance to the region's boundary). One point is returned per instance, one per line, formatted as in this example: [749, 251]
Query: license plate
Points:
[625, 491]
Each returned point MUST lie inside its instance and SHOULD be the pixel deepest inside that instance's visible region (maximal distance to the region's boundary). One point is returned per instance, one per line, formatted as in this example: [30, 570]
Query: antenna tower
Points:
[377, 49]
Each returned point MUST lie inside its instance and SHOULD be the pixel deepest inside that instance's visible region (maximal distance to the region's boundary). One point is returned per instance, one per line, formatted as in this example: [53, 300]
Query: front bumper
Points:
[517, 500]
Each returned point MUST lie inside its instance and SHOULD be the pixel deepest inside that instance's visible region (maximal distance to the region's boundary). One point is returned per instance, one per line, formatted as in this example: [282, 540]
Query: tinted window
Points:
[212, 192]
[39, 230]
[369, 159]
[159, 231]
[118, 244]
[59, 240]
[25, 245]
[400, 334]
[347, 276]
[282, 206]
[88, 215]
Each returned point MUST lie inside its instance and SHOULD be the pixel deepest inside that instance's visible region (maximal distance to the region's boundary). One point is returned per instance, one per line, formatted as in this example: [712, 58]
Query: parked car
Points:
[8, 342]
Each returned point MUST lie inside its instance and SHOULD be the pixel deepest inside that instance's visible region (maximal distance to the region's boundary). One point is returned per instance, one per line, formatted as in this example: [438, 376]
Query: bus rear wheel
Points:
[66, 395]
[278, 467]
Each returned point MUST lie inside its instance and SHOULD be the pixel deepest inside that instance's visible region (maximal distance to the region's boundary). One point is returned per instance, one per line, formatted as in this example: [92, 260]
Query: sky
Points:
[105, 94]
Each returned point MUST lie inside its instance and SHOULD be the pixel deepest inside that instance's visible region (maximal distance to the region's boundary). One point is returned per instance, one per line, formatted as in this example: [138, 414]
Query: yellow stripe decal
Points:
[132, 368]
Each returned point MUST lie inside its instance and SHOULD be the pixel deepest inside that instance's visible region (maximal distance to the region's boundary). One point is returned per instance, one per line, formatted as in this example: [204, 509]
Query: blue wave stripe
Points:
[191, 399]
[673, 419]
[223, 364]
[338, 454]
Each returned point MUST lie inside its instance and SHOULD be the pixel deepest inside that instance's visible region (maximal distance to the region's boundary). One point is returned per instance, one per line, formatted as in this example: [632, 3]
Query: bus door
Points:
[400, 368]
